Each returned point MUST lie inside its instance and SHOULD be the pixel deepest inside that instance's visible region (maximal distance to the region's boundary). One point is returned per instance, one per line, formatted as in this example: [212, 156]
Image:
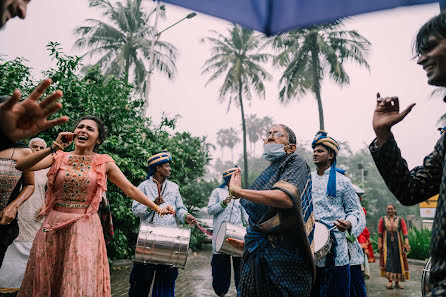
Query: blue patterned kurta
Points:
[220, 213]
[280, 265]
[355, 249]
[171, 195]
[345, 206]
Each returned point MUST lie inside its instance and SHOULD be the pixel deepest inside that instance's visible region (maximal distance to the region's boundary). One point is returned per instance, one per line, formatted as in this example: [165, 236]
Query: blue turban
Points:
[323, 139]
[227, 176]
[158, 159]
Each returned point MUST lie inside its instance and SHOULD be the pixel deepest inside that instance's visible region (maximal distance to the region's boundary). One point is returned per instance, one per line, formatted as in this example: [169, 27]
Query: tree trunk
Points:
[245, 155]
[317, 86]
[127, 68]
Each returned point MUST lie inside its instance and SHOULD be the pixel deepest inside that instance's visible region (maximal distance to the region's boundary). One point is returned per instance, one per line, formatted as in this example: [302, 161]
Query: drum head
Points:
[320, 237]
[220, 239]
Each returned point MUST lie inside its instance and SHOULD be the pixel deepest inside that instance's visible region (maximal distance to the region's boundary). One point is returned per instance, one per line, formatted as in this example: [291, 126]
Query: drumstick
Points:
[203, 230]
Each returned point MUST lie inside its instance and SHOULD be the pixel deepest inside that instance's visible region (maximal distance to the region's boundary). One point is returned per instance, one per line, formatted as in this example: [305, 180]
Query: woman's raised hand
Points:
[63, 140]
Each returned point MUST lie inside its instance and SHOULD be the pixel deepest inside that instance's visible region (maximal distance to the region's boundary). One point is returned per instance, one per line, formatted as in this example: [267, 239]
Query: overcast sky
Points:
[348, 110]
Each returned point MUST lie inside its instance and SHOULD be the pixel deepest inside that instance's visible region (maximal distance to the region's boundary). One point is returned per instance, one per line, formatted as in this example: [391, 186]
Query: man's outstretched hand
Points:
[387, 113]
[19, 120]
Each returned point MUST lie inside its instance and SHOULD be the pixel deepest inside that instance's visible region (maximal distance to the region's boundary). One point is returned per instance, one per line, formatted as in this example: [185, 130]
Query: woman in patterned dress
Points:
[392, 249]
[68, 257]
[15, 188]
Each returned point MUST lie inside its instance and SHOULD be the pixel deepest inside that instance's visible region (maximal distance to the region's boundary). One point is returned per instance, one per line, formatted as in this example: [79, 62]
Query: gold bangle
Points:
[57, 144]
[231, 192]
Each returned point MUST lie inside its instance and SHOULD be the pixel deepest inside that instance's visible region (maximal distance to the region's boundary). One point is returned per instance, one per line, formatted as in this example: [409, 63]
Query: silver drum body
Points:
[322, 241]
[425, 278]
[159, 244]
[228, 230]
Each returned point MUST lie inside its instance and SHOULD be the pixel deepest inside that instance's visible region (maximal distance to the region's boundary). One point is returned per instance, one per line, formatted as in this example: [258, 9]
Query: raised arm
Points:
[274, 198]
[116, 176]
[409, 186]
[44, 158]
[19, 120]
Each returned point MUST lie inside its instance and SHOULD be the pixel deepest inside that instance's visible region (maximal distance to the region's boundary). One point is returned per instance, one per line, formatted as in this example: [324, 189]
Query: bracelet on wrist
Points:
[231, 192]
[58, 145]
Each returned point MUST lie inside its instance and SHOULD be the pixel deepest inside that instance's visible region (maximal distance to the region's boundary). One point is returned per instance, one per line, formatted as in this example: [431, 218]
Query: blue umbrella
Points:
[277, 16]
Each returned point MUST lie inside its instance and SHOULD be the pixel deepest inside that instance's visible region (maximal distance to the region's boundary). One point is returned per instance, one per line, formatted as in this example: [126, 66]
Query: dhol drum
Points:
[425, 278]
[322, 241]
[228, 230]
[159, 244]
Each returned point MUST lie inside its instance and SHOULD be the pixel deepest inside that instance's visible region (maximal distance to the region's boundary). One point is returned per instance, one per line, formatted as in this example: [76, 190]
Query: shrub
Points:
[419, 241]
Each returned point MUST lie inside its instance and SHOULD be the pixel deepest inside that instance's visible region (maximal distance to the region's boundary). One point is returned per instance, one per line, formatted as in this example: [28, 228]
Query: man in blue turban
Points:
[225, 209]
[335, 204]
[163, 192]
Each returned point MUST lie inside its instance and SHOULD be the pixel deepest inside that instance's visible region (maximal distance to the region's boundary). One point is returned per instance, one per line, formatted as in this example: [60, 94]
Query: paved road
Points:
[196, 280]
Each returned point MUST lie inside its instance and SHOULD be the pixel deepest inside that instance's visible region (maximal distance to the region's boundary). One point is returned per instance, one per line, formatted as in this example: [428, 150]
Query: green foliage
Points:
[14, 75]
[196, 239]
[374, 239]
[420, 242]
[131, 137]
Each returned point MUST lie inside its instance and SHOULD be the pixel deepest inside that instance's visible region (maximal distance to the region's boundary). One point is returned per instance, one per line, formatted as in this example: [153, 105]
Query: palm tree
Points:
[232, 139]
[221, 140]
[309, 54]
[124, 45]
[256, 128]
[237, 58]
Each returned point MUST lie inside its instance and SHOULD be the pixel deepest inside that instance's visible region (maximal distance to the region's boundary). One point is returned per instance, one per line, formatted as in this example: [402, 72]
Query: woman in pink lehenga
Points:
[68, 257]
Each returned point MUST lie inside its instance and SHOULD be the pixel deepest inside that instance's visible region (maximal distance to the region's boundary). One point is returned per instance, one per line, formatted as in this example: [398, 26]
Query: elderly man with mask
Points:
[277, 259]
[225, 209]
[163, 192]
[337, 206]
[17, 254]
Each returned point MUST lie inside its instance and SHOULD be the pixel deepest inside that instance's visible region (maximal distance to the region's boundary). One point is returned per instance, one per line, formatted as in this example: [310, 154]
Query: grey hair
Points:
[36, 139]
[290, 133]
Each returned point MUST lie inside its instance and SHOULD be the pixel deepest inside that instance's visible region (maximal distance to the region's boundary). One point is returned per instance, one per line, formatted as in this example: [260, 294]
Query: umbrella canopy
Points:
[277, 16]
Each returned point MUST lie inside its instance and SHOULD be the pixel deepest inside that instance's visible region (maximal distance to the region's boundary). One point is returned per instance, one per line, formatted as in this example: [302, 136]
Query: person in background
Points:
[162, 192]
[393, 245]
[15, 188]
[225, 209]
[337, 206]
[17, 254]
[357, 257]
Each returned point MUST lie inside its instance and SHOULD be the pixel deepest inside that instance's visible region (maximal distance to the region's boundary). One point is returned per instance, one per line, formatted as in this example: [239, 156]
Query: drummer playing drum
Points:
[225, 209]
[162, 192]
[335, 204]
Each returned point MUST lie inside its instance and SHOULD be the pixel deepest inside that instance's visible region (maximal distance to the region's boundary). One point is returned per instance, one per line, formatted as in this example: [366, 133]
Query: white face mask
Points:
[273, 151]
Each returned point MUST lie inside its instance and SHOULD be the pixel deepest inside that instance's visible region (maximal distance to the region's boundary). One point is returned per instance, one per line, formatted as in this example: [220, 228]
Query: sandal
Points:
[398, 286]
[389, 286]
